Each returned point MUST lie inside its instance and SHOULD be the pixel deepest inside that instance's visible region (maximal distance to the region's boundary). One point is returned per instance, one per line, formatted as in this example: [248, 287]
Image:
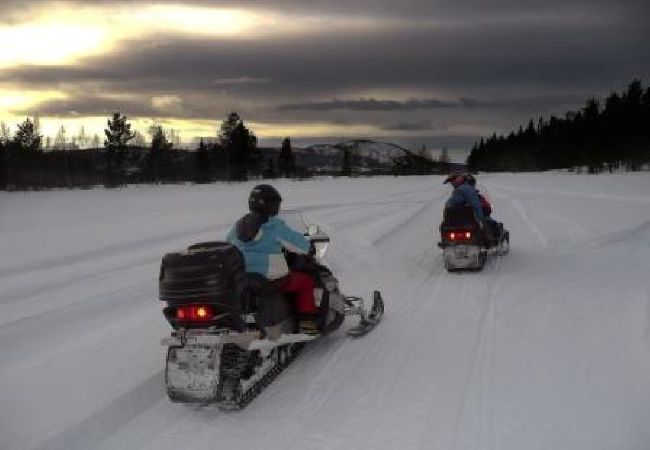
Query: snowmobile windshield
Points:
[294, 219]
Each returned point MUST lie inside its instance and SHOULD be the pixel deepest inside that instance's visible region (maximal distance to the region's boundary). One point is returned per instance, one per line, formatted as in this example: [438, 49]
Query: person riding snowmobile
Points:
[485, 203]
[464, 194]
[261, 237]
[495, 228]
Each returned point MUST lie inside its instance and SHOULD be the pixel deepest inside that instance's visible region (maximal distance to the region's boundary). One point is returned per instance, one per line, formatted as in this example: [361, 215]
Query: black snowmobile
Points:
[465, 244]
[234, 332]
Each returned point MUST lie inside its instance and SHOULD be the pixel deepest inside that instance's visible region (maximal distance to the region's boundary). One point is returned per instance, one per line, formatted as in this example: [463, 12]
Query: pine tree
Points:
[346, 163]
[27, 137]
[239, 145]
[286, 159]
[203, 163]
[3, 165]
[118, 134]
[158, 161]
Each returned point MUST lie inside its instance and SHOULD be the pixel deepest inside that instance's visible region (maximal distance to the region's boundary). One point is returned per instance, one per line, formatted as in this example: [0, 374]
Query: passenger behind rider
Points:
[466, 195]
[486, 207]
[261, 236]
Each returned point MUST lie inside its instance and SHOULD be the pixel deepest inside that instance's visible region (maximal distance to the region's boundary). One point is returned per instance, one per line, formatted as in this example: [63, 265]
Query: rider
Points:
[465, 194]
[261, 236]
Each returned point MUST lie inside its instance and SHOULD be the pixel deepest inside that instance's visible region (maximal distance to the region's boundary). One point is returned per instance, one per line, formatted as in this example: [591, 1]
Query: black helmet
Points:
[264, 199]
[471, 180]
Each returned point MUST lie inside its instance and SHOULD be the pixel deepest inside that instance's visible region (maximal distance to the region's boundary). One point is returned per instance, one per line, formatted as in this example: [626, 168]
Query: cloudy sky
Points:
[434, 72]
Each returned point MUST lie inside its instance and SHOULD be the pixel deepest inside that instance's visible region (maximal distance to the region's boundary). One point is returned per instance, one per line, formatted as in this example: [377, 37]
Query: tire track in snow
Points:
[479, 376]
[115, 249]
[91, 431]
[526, 218]
[418, 304]
[590, 195]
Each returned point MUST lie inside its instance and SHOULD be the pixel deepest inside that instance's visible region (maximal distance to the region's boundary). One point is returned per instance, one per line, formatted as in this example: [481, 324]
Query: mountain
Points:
[366, 153]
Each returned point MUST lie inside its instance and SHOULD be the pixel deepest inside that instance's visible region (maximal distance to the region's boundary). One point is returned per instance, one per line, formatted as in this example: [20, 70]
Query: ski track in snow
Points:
[547, 347]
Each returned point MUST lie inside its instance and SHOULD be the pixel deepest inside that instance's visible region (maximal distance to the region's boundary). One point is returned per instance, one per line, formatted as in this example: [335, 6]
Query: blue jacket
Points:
[466, 195]
[261, 240]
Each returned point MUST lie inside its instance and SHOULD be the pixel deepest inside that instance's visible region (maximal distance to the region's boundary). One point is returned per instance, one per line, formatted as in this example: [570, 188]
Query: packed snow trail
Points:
[548, 347]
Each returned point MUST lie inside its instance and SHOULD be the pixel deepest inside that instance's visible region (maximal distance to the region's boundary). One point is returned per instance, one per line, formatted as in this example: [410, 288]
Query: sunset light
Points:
[194, 20]
[49, 43]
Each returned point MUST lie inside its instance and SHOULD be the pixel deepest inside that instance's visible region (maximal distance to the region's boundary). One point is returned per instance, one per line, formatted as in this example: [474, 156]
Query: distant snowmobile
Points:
[463, 243]
[234, 332]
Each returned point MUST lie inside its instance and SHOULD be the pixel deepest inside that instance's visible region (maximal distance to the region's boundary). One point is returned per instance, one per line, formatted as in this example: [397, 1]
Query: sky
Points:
[417, 72]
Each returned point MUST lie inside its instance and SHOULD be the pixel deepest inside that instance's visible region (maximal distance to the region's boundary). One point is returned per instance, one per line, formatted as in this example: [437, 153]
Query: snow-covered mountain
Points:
[366, 151]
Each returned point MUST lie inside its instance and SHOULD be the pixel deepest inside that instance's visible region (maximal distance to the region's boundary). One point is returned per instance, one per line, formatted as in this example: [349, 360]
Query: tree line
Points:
[233, 155]
[607, 136]
[27, 161]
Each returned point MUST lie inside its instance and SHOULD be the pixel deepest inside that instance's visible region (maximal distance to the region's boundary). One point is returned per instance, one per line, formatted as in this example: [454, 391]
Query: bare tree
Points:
[444, 156]
[83, 139]
[60, 141]
[424, 153]
[139, 140]
[175, 138]
[5, 133]
[37, 123]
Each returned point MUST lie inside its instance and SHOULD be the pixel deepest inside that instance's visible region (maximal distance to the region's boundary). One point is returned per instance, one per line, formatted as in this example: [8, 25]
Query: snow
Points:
[547, 348]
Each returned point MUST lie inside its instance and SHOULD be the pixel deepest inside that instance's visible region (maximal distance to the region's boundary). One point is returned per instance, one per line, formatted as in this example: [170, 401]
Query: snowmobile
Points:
[463, 242]
[234, 332]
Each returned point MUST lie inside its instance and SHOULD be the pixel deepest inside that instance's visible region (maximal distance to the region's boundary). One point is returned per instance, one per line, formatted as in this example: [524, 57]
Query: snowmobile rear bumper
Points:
[463, 256]
[245, 341]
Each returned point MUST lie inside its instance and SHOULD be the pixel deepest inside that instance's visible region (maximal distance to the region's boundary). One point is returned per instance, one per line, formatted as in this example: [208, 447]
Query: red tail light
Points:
[460, 235]
[195, 313]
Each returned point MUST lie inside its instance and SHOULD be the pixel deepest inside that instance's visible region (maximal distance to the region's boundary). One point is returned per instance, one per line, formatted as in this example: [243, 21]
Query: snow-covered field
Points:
[547, 348]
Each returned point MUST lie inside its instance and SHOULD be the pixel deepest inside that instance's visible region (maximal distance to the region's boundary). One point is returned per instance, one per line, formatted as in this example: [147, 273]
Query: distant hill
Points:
[369, 152]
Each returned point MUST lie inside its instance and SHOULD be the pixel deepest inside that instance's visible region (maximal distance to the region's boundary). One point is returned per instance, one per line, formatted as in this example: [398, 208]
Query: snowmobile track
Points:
[478, 381]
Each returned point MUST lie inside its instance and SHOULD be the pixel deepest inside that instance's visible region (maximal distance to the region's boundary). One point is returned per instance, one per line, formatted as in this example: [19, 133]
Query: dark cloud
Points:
[94, 106]
[403, 8]
[408, 126]
[428, 104]
[370, 104]
[502, 61]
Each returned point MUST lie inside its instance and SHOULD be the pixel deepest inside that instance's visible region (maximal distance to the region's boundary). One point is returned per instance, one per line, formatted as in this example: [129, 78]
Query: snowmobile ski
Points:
[370, 320]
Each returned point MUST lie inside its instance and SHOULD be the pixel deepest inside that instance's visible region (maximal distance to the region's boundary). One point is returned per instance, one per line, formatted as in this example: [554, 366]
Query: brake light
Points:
[195, 313]
[460, 235]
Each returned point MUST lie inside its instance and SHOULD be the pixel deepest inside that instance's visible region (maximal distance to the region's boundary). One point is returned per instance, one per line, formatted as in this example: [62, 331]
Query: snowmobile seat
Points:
[264, 300]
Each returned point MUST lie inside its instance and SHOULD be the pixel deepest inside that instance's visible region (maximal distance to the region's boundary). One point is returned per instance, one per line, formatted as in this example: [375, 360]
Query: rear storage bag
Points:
[211, 272]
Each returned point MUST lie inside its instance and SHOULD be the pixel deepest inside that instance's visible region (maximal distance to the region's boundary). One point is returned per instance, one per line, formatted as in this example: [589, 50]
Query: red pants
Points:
[302, 285]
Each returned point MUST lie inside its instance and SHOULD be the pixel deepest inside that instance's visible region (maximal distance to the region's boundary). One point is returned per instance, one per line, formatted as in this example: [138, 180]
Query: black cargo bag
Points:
[209, 272]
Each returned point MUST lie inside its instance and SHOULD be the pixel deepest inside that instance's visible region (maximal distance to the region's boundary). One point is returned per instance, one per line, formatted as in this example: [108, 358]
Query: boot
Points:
[308, 325]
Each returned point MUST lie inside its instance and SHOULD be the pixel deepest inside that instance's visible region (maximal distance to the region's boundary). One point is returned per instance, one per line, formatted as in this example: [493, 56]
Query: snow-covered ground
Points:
[547, 348]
